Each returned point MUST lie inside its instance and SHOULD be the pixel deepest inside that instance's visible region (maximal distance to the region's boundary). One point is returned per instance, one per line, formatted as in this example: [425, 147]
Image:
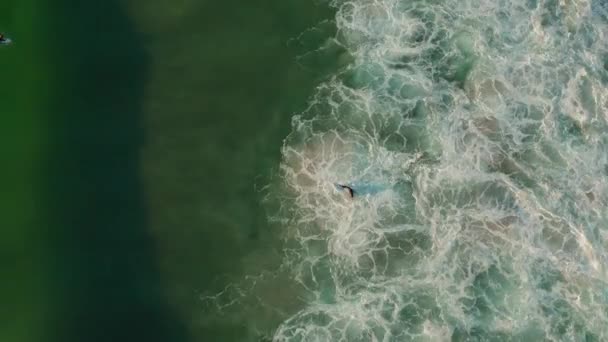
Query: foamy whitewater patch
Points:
[474, 135]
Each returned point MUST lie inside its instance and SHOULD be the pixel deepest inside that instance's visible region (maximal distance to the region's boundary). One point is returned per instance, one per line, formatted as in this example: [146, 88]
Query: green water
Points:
[133, 138]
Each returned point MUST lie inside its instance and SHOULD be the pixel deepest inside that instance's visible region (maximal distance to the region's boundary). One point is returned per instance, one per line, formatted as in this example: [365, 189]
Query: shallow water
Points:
[487, 122]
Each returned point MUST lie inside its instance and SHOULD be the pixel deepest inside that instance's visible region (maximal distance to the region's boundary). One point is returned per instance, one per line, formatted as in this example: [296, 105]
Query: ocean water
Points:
[155, 189]
[132, 140]
[474, 135]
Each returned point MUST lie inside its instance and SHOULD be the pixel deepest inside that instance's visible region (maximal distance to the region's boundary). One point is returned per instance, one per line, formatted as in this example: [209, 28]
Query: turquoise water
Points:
[483, 127]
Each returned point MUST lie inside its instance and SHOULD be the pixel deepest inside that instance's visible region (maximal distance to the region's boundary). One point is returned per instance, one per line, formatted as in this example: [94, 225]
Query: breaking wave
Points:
[473, 134]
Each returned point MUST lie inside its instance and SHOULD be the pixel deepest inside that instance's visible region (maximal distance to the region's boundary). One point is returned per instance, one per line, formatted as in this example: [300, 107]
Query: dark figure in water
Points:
[4, 39]
[350, 190]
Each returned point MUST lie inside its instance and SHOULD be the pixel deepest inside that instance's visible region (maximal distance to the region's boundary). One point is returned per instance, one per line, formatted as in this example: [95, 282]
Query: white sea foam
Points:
[484, 123]
[474, 135]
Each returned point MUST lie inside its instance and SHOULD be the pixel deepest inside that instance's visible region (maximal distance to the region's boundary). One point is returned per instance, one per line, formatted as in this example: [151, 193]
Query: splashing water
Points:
[474, 134]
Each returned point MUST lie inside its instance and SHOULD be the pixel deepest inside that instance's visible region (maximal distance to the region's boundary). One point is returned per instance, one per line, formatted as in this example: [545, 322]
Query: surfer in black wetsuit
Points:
[4, 39]
[350, 190]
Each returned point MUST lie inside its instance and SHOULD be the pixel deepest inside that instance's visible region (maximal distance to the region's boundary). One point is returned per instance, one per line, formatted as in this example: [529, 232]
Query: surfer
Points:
[4, 39]
[350, 190]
